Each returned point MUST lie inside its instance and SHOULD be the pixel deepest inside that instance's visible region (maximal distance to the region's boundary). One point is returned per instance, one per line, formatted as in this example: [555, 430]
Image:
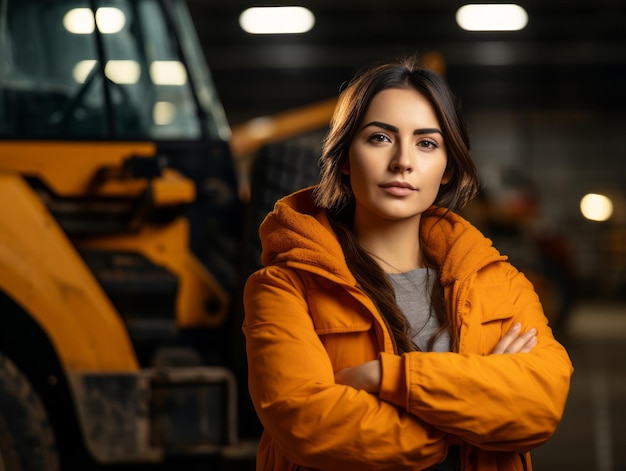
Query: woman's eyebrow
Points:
[392, 128]
[379, 124]
[427, 131]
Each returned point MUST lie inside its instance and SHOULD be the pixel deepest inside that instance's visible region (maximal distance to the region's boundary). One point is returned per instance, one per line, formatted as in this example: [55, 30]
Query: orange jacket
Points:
[306, 318]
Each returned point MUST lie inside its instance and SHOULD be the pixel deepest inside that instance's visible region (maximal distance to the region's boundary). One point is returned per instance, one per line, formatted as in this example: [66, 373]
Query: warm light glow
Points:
[126, 72]
[81, 20]
[110, 20]
[276, 20]
[81, 70]
[168, 73]
[492, 17]
[596, 207]
[163, 113]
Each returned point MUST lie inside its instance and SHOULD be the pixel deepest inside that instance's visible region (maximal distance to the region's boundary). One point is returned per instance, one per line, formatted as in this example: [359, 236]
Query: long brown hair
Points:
[333, 191]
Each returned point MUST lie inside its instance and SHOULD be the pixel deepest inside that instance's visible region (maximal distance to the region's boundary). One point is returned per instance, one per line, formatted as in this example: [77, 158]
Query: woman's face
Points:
[397, 158]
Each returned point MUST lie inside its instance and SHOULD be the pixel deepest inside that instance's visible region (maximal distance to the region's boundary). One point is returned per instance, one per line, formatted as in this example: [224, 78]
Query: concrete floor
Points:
[592, 435]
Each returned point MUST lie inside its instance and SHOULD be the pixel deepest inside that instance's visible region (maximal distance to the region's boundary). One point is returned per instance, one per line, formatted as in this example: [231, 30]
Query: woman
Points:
[385, 332]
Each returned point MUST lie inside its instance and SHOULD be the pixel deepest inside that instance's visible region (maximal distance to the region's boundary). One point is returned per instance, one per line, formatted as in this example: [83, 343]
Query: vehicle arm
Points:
[499, 402]
[312, 420]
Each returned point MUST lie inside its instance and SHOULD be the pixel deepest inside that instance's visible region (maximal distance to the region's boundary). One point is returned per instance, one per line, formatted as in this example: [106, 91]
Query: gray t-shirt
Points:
[413, 296]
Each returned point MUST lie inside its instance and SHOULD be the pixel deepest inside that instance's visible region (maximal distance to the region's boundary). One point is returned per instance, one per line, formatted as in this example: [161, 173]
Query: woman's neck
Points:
[393, 244]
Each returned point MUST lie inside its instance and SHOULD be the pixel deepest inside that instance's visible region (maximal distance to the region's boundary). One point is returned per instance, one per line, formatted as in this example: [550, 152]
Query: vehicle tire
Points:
[279, 169]
[26, 438]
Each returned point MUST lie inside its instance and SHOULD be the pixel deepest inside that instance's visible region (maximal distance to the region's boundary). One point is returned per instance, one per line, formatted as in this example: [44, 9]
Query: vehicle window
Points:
[66, 72]
[43, 85]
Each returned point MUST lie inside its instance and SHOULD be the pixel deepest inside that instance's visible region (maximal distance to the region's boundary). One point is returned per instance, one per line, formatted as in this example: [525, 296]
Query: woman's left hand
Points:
[516, 341]
[366, 376]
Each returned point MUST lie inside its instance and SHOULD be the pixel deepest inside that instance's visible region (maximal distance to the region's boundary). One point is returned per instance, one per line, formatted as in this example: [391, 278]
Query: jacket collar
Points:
[299, 234]
[456, 245]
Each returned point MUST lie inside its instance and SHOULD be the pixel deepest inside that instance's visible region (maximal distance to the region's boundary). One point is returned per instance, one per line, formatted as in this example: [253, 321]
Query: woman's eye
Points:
[428, 144]
[378, 138]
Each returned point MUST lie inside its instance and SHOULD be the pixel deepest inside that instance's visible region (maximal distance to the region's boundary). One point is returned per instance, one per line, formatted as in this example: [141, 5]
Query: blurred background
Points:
[546, 109]
[546, 105]
[134, 180]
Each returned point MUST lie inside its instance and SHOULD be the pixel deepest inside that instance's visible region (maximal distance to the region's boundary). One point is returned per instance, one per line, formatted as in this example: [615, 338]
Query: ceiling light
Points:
[123, 71]
[276, 20]
[110, 20]
[163, 113]
[596, 207]
[81, 20]
[168, 73]
[81, 70]
[492, 17]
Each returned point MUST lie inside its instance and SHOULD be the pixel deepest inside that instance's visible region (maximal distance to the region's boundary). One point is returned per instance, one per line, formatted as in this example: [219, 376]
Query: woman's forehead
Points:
[401, 106]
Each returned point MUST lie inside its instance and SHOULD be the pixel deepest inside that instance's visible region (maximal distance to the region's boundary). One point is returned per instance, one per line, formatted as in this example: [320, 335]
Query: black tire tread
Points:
[25, 431]
[279, 169]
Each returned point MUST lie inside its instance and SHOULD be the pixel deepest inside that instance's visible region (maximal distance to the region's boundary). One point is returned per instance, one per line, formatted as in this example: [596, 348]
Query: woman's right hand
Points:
[514, 341]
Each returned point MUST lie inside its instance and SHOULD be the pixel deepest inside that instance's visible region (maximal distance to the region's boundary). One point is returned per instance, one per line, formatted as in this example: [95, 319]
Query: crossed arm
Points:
[368, 376]
[299, 397]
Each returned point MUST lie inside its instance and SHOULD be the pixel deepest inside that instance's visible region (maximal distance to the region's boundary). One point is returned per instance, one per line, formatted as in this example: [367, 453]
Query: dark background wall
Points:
[546, 107]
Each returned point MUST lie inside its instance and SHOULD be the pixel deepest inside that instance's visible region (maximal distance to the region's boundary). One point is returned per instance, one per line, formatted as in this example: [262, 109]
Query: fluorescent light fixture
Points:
[492, 17]
[596, 207]
[168, 73]
[163, 113]
[276, 20]
[120, 71]
[110, 20]
[81, 70]
[81, 20]
[123, 71]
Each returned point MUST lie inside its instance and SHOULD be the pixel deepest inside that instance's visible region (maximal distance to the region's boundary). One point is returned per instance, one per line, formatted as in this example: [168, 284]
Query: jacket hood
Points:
[299, 234]
[456, 245]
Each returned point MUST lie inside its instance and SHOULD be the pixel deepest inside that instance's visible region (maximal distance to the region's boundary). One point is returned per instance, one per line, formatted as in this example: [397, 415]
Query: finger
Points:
[529, 345]
[521, 342]
[508, 338]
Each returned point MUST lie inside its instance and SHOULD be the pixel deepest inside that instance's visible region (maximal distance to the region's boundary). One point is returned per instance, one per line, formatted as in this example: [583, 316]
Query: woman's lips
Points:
[398, 188]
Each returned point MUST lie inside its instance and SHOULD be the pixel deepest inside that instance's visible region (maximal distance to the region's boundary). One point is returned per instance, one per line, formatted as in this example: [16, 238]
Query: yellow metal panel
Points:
[173, 188]
[168, 246]
[69, 168]
[41, 270]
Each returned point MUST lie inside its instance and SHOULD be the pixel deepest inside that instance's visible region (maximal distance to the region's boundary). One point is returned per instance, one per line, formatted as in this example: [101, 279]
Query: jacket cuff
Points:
[393, 387]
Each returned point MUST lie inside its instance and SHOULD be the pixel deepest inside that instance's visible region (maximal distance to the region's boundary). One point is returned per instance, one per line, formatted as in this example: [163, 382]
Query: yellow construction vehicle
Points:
[124, 240]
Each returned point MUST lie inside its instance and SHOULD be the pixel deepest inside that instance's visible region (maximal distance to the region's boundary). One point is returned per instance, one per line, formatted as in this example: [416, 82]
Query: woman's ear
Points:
[346, 168]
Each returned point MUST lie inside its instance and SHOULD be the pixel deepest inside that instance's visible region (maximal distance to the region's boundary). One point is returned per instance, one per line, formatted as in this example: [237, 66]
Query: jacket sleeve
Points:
[313, 421]
[504, 402]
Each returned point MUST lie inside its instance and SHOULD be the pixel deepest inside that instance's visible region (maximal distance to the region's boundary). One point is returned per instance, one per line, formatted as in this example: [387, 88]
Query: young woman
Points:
[385, 332]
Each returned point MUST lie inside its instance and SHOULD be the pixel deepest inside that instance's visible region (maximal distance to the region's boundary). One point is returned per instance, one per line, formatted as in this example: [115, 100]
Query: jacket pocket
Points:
[490, 313]
[344, 327]
[334, 313]
[495, 306]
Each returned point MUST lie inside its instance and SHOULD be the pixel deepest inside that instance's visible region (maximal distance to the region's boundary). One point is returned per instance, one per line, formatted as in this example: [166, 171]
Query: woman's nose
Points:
[402, 160]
